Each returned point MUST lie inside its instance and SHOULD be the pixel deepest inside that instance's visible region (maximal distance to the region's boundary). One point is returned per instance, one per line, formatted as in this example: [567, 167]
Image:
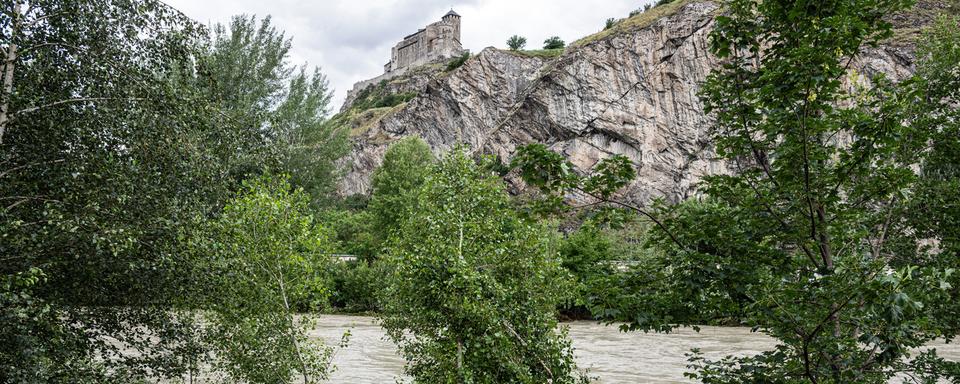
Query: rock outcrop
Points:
[634, 93]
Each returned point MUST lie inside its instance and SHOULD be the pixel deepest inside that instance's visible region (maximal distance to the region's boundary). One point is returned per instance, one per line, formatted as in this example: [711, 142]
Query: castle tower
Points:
[453, 19]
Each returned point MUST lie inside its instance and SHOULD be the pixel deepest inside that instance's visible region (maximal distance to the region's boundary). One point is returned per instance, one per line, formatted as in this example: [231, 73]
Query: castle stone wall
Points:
[439, 40]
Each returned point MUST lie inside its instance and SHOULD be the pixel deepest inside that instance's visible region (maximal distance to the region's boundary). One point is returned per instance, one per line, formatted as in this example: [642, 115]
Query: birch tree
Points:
[265, 254]
[473, 290]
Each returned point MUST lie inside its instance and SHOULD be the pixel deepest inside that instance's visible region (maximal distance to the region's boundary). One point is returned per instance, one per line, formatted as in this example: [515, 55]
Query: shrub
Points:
[354, 286]
[610, 23]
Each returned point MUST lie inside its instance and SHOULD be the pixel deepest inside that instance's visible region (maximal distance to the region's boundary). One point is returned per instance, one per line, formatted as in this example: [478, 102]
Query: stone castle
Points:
[439, 40]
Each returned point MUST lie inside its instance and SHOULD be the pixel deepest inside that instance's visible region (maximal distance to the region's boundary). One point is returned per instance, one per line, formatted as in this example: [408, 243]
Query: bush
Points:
[586, 254]
[356, 232]
[554, 42]
[354, 286]
[378, 97]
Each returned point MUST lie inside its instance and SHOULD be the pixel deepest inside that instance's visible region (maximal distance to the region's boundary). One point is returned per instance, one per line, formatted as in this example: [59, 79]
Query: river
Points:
[610, 356]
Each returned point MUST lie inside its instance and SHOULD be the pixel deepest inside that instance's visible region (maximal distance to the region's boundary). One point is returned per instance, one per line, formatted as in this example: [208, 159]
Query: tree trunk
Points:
[8, 65]
[293, 334]
[460, 359]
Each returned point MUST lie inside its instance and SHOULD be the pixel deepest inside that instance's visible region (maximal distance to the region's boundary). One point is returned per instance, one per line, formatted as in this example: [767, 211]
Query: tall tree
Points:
[265, 255]
[834, 235]
[825, 174]
[102, 156]
[247, 73]
[112, 145]
[473, 290]
[396, 182]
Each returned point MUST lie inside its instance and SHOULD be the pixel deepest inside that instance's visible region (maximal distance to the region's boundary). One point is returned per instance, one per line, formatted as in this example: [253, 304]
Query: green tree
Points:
[103, 157]
[354, 284]
[247, 75]
[935, 210]
[405, 167]
[516, 42]
[113, 144]
[472, 293]
[554, 42]
[816, 239]
[265, 257]
[832, 212]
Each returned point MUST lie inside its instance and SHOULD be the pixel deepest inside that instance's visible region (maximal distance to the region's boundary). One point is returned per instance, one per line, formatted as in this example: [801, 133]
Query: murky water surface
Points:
[610, 355]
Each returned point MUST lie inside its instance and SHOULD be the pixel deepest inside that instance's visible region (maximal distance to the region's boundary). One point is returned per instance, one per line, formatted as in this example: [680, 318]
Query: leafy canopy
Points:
[405, 167]
[265, 258]
[472, 290]
[836, 235]
[553, 42]
[516, 42]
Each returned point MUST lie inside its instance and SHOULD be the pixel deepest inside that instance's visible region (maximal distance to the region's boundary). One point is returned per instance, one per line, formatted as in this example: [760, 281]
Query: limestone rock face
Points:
[633, 93]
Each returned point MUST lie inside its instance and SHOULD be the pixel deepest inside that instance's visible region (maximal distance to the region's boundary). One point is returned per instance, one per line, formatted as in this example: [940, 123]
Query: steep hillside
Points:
[631, 90]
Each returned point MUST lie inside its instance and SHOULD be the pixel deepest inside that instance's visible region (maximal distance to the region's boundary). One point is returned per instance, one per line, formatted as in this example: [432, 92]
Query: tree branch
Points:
[17, 168]
[640, 211]
[70, 101]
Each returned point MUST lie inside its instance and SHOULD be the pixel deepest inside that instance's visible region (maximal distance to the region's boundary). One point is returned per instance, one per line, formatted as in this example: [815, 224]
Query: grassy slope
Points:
[638, 21]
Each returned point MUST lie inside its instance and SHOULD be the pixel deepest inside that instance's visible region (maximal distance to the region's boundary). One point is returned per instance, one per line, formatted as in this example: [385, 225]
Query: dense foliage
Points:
[104, 158]
[122, 124]
[825, 180]
[258, 264]
[245, 73]
[405, 167]
[836, 235]
[143, 238]
[472, 289]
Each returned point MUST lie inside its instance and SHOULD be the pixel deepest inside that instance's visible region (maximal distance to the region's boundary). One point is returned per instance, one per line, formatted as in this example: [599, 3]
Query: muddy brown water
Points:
[609, 355]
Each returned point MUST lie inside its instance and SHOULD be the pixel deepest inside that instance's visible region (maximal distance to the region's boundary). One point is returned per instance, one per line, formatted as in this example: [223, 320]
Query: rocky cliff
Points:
[632, 90]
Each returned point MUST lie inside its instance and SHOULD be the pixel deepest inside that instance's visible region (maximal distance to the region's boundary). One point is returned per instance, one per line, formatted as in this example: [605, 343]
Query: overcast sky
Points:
[351, 39]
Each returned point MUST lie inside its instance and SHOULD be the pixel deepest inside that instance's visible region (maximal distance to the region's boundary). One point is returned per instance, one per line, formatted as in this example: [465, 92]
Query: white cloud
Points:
[351, 39]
